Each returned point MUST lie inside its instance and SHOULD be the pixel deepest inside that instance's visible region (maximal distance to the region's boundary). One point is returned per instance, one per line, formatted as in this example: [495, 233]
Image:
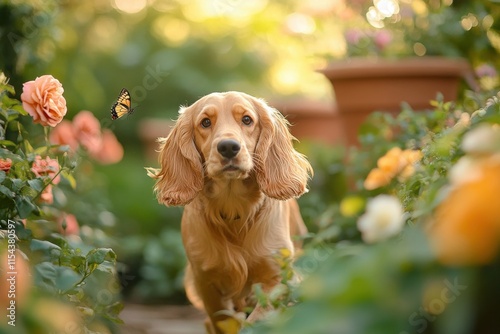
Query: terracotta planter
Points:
[150, 129]
[362, 86]
[312, 120]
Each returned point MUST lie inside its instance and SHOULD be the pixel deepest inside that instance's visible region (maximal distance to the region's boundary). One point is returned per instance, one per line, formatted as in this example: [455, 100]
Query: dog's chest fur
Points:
[236, 217]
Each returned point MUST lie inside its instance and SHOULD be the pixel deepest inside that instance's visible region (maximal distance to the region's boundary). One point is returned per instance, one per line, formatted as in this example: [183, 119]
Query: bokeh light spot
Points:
[130, 7]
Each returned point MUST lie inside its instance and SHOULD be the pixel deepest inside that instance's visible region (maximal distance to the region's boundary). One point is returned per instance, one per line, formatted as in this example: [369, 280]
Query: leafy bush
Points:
[53, 247]
[413, 245]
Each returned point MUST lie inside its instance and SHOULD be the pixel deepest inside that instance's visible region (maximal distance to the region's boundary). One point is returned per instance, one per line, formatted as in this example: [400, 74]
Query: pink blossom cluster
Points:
[85, 131]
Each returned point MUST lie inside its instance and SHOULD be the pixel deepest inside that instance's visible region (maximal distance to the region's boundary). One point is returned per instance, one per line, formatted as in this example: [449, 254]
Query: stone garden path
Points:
[161, 319]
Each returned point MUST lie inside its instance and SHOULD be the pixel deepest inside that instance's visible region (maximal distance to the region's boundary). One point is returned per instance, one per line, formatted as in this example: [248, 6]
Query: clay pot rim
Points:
[404, 67]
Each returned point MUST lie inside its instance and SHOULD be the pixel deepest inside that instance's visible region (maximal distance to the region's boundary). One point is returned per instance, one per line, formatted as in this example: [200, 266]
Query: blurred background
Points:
[169, 53]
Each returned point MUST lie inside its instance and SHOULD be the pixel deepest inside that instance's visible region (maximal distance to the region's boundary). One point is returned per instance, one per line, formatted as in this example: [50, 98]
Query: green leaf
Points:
[36, 184]
[45, 276]
[24, 206]
[99, 255]
[7, 192]
[2, 176]
[28, 192]
[17, 184]
[107, 267]
[43, 245]
[19, 108]
[41, 150]
[71, 179]
[77, 261]
[7, 143]
[66, 278]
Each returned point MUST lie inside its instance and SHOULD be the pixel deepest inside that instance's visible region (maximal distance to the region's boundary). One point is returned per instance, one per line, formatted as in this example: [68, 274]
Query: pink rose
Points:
[5, 164]
[46, 196]
[383, 38]
[43, 100]
[46, 167]
[111, 151]
[63, 134]
[71, 225]
[88, 131]
[353, 36]
[486, 70]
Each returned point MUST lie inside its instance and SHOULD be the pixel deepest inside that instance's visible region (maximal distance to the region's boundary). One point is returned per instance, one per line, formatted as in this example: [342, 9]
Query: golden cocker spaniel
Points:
[229, 159]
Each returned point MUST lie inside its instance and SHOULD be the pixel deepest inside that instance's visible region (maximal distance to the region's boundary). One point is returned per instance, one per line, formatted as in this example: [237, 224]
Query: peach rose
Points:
[111, 151]
[71, 225]
[43, 100]
[88, 131]
[63, 134]
[46, 167]
[5, 164]
[46, 196]
[23, 281]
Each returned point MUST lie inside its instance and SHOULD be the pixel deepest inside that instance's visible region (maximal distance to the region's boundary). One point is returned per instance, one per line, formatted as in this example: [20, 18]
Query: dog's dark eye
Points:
[206, 122]
[247, 120]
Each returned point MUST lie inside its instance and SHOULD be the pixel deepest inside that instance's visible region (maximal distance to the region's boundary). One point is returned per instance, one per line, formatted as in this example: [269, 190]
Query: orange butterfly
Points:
[122, 106]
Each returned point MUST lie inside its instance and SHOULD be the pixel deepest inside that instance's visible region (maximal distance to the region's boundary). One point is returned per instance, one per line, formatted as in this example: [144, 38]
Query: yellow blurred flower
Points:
[466, 226]
[394, 162]
[351, 205]
[58, 316]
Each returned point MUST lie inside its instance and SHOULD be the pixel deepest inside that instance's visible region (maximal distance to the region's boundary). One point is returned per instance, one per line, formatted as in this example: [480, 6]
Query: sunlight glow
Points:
[235, 9]
[381, 10]
[387, 8]
[300, 24]
[170, 30]
[131, 7]
[285, 76]
[374, 17]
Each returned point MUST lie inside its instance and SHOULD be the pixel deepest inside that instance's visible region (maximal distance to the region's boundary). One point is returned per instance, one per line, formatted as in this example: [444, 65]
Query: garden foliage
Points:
[52, 230]
[412, 245]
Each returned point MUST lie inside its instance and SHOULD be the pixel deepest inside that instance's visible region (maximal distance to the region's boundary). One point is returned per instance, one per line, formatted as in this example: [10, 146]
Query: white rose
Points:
[483, 139]
[384, 217]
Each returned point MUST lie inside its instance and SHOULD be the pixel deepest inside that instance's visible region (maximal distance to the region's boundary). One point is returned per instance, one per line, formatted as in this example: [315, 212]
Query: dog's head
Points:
[229, 135]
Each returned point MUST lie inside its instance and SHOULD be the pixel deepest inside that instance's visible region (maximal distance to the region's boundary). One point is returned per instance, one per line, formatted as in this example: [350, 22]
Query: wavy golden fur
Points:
[230, 161]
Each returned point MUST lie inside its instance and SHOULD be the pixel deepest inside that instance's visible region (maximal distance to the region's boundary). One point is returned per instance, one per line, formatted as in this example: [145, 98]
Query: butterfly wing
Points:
[122, 106]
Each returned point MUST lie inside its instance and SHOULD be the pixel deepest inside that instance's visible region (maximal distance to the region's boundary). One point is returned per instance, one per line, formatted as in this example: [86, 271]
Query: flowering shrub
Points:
[58, 274]
[413, 251]
[392, 28]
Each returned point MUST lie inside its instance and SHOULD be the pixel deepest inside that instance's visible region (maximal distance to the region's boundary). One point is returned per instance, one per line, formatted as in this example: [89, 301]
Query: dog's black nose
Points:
[228, 148]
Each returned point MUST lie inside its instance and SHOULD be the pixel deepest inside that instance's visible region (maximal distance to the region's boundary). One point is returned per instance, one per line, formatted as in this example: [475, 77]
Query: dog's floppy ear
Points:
[282, 172]
[180, 176]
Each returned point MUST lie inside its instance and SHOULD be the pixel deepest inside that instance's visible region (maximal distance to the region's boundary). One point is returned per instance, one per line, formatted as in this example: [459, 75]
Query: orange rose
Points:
[377, 178]
[390, 162]
[46, 167]
[466, 227]
[394, 162]
[88, 131]
[63, 134]
[43, 100]
[111, 151]
[5, 164]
